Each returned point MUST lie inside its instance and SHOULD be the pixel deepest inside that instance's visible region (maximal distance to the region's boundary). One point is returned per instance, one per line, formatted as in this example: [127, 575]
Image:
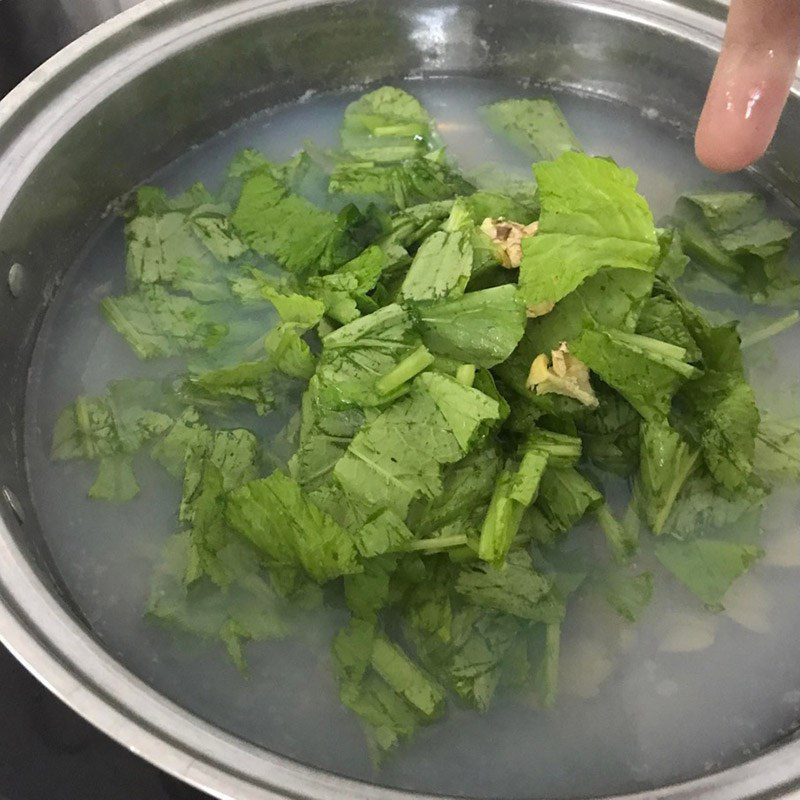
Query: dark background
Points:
[47, 752]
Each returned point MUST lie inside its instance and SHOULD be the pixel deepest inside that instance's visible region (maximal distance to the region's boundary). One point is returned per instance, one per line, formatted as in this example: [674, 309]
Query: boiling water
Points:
[681, 693]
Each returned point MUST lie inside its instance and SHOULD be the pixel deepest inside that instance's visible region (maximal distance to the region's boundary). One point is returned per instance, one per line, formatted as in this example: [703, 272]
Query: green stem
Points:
[438, 543]
[621, 544]
[466, 374]
[685, 461]
[83, 422]
[561, 450]
[779, 326]
[409, 129]
[651, 346]
[657, 351]
[681, 367]
[410, 366]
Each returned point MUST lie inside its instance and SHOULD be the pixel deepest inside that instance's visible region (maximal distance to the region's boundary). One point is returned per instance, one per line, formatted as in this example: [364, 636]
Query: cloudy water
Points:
[674, 696]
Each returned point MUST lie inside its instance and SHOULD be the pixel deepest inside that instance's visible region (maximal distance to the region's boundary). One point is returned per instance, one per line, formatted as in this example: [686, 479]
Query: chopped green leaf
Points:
[289, 530]
[303, 238]
[386, 125]
[443, 264]
[777, 450]
[642, 370]
[661, 319]
[731, 235]
[398, 456]
[537, 126]
[157, 323]
[515, 490]
[468, 412]
[115, 480]
[628, 594]
[666, 462]
[512, 588]
[356, 356]
[480, 328]
[546, 646]
[96, 427]
[405, 184]
[247, 609]
[592, 218]
[707, 567]
[186, 432]
[564, 497]
[673, 260]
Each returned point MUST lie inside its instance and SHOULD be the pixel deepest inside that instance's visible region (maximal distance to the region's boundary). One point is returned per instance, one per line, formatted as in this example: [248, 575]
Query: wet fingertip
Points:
[723, 159]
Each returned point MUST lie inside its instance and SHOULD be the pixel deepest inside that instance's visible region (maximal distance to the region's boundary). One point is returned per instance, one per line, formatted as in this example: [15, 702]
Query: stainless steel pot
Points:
[32, 30]
[125, 99]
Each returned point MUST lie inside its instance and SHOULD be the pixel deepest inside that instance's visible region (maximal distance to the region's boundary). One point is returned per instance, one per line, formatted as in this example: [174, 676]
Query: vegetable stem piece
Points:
[652, 346]
[438, 543]
[465, 374]
[410, 366]
[778, 326]
[621, 540]
[657, 351]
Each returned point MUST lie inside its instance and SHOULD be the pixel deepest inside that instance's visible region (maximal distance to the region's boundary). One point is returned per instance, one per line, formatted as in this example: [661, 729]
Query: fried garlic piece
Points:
[507, 237]
[562, 374]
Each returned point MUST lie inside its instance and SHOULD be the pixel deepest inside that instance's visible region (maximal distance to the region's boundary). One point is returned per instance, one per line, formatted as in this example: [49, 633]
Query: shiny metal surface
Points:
[134, 93]
[32, 30]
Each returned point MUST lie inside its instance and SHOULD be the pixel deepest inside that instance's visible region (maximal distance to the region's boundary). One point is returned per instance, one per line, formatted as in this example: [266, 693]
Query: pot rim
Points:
[38, 629]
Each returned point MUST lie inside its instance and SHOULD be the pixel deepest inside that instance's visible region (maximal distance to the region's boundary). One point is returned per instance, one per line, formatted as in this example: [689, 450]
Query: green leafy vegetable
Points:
[213, 466]
[731, 235]
[115, 480]
[592, 218]
[94, 427]
[247, 609]
[661, 319]
[665, 464]
[777, 450]
[356, 356]
[547, 649]
[537, 126]
[187, 431]
[303, 238]
[467, 412]
[344, 293]
[564, 497]
[628, 594]
[434, 485]
[646, 372]
[157, 323]
[289, 530]
[325, 433]
[480, 328]
[398, 456]
[381, 684]
[443, 264]
[386, 125]
[514, 491]
[701, 508]
[410, 183]
[513, 588]
[707, 567]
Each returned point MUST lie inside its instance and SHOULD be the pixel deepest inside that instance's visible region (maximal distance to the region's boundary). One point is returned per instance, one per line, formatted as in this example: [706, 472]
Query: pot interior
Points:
[670, 699]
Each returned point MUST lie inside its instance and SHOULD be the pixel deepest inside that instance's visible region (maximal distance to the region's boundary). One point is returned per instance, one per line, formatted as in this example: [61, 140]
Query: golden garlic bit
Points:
[562, 374]
[507, 237]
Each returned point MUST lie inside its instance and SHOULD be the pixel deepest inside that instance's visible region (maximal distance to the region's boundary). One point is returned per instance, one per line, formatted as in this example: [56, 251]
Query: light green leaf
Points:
[592, 218]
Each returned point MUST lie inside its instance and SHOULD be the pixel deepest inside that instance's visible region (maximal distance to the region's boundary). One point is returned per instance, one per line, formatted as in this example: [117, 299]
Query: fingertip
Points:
[750, 84]
[722, 150]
